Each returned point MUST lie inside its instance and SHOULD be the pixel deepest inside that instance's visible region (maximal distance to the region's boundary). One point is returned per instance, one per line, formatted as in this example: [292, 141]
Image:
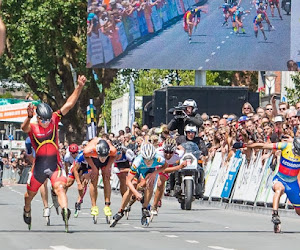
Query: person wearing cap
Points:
[47, 163]
[70, 156]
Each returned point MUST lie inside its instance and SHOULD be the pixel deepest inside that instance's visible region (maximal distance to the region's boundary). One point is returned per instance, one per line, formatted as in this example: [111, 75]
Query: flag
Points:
[131, 104]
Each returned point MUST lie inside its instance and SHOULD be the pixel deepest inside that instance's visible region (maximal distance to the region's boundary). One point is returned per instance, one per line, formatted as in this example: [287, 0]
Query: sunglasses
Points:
[215, 121]
[269, 109]
[282, 108]
[206, 124]
[246, 108]
[168, 152]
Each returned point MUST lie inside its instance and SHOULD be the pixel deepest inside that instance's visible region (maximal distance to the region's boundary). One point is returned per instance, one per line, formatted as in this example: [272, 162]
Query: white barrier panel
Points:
[210, 179]
[238, 162]
[221, 178]
[254, 179]
[243, 180]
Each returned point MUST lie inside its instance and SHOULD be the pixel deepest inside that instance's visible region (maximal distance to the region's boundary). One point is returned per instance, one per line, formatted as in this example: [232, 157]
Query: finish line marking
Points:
[192, 241]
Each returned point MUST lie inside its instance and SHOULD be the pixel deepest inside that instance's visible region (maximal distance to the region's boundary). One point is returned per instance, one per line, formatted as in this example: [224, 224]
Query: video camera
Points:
[178, 111]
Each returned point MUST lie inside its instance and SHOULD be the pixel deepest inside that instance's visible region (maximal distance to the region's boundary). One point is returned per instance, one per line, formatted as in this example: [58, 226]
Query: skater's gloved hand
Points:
[183, 164]
[139, 196]
[80, 187]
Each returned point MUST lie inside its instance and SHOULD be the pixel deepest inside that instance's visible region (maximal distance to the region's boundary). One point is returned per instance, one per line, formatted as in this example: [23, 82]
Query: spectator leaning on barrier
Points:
[190, 116]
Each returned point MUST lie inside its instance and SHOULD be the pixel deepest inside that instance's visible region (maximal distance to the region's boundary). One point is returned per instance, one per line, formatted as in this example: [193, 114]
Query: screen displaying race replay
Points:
[189, 34]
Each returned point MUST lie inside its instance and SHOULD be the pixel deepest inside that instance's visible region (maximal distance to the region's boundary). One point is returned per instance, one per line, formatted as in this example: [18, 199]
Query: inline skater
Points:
[47, 162]
[257, 21]
[262, 9]
[273, 4]
[122, 163]
[191, 19]
[70, 156]
[238, 21]
[226, 6]
[285, 181]
[100, 154]
[143, 166]
[172, 154]
[79, 171]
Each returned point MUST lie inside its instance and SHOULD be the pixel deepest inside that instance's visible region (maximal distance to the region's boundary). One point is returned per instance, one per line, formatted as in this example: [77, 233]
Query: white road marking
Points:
[171, 236]
[213, 53]
[218, 47]
[231, 33]
[67, 248]
[207, 60]
[227, 37]
[200, 68]
[220, 248]
[192, 241]
[139, 228]
[85, 213]
[223, 42]
[124, 224]
[227, 227]
[154, 232]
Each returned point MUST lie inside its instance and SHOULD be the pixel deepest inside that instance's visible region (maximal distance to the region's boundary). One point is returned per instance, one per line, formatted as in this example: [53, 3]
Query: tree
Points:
[44, 38]
[294, 94]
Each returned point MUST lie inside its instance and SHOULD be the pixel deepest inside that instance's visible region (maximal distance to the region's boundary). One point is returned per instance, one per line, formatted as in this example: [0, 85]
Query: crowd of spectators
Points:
[271, 123]
[13, 164]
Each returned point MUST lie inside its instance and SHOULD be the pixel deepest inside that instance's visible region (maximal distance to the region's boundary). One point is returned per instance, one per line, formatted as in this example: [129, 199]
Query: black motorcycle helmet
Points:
[44, 111]
[102, 148]
[296, 146]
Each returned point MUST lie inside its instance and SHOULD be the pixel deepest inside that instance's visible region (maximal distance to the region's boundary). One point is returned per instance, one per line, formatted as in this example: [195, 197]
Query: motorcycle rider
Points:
[190, 116]
[190, 135]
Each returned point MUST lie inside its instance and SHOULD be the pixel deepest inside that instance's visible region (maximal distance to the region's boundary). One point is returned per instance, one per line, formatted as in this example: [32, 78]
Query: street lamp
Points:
[270, 78]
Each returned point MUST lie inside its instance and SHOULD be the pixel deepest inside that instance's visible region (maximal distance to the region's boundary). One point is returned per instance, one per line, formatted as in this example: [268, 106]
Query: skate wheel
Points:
[95, 219]
[127, 215]
[114, 222]
[76, 214]
[48, 220]
[57, 211]
[151, 217]
[29, 227]
[277, 228]
[67, 229]
[108, 219]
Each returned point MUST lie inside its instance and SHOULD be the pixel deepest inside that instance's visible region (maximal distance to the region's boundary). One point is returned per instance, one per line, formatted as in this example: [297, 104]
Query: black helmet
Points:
[296, 146]
[44, 112]
[102, 148]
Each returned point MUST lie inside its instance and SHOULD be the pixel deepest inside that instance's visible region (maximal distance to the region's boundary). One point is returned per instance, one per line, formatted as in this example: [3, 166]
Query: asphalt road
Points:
[214, 47]
[203, 227]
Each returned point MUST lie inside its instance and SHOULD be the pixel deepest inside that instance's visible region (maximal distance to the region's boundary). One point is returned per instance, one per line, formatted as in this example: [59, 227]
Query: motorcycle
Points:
[286, 5]
[190, 180]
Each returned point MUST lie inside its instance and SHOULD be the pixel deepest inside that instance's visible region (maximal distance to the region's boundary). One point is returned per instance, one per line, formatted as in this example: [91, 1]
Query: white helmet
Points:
[147, 151]
[170, 145]
[190, 103]
[190, 128]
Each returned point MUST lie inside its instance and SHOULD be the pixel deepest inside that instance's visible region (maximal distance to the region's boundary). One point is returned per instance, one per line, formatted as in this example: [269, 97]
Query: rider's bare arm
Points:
[74, 96]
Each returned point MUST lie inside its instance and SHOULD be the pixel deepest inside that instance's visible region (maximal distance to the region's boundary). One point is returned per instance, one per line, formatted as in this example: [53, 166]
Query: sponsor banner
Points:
[238, 160]
[142, 23]
[180, 7]
[116, 44]
[127, 22]
[107, 48]
[210, 179]
[16, 112]
[122, 35]
[95, 52]
[156, 19]
[221, 178]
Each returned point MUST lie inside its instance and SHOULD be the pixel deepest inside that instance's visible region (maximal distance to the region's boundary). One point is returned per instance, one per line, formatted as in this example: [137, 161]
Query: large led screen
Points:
[189, 34]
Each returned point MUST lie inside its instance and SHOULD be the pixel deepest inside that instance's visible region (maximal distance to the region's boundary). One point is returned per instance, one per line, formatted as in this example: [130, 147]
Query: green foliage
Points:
[294, 94]
[7, 95]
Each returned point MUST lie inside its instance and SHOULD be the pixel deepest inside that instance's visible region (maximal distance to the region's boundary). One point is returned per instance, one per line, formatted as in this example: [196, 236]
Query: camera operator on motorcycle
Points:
[185, 114]
[190, 136]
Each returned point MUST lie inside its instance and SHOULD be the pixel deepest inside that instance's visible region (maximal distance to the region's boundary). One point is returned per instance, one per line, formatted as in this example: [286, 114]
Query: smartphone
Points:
[276, 97]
